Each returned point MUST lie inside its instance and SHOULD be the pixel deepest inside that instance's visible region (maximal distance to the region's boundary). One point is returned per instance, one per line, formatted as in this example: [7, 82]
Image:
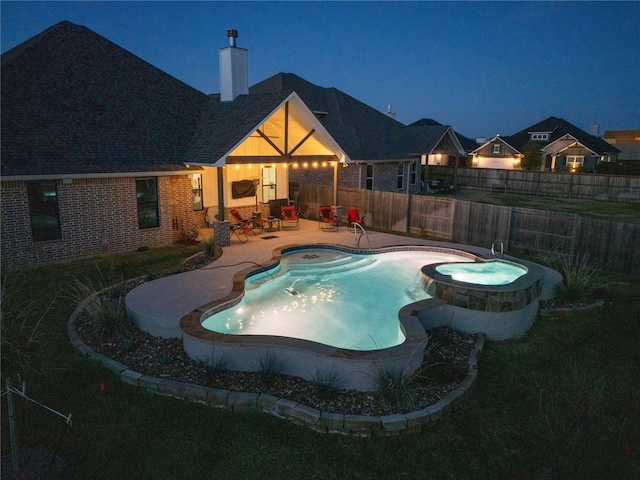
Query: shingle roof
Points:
[363, 132]
[222, 124]
[75, 103]
[559, 127]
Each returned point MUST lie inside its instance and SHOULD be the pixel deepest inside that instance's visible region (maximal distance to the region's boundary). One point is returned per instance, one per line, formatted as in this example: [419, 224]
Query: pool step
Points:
[337, 266]
[323, 268]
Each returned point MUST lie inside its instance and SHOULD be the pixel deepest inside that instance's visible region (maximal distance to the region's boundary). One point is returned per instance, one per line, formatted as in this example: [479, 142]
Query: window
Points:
[400, 176]
[196, 192]
[540, 136]
[413, 173]
[369, 177]
[147, 195]
[496, 148]
[575, 161]
[43, 210]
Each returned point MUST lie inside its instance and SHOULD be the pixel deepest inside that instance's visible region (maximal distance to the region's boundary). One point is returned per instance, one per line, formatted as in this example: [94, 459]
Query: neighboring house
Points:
[564, 146]
[496, 153]
[627, 141]
[385, 154]
[102, 152]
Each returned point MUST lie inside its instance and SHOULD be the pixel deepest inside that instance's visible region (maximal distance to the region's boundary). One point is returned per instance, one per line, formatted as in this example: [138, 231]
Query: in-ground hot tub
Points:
[233, 333]
[495, 296]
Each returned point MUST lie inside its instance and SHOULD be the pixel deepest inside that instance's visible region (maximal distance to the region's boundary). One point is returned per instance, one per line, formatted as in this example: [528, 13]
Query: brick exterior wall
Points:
[97, 216]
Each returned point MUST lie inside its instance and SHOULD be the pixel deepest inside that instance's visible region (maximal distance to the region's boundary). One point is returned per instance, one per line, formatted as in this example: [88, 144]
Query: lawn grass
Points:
[563, 402]
[615, 211]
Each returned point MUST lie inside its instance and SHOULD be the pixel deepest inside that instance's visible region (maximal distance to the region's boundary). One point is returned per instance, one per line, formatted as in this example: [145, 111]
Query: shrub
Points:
[269, 367]
[214, 367]
[396, 388]
[326, 381]
[165, 358]
[580, 277]
[209, 247]
[23, 333]
[105, 310]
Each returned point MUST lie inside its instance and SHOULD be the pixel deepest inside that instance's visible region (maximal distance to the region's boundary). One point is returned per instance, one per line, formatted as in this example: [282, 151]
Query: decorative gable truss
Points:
[290, 134]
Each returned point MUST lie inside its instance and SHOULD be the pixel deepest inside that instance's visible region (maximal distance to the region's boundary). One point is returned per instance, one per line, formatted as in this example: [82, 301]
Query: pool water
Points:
[340, 299]
[484, 273]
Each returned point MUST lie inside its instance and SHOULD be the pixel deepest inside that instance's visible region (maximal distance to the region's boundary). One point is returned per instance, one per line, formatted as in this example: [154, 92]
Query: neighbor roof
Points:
[559, 127]
[75, 103]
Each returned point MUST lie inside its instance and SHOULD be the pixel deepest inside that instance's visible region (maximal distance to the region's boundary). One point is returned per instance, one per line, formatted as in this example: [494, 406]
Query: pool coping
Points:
[297, 413]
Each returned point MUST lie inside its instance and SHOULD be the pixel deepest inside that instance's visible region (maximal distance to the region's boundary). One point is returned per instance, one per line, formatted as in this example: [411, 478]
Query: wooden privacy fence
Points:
[618, 188]
[615, 246]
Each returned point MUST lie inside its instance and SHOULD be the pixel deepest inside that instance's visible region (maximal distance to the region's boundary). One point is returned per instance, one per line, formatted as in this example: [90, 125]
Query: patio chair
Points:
[289, 217]
[354, 217]
[327, 219]
[249, 225]
[239, 231]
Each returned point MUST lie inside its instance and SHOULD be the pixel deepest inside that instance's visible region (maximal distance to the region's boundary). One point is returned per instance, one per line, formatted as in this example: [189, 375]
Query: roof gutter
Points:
[85, 176]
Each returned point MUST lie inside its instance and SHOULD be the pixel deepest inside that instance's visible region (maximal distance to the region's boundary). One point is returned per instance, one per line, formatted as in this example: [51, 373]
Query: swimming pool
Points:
[341, 299]
[359, 366]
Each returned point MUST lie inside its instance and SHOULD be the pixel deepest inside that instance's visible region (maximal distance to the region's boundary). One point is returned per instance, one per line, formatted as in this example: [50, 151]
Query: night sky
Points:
[485, 68]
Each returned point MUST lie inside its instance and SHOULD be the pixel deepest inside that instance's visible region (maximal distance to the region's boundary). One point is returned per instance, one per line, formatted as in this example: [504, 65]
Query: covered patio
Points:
[245, 169]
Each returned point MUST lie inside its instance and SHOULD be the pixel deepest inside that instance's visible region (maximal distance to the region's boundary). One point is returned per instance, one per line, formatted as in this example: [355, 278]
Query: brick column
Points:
[222, 233]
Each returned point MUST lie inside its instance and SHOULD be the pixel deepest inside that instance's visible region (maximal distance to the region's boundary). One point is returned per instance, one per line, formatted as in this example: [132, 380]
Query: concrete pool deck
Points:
[159, 305]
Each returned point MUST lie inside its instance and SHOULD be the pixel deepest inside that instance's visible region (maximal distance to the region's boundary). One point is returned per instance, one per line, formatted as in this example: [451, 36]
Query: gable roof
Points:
[557, 127]
[223, 126]
[75, 103]
[363, 132]
[498, 139]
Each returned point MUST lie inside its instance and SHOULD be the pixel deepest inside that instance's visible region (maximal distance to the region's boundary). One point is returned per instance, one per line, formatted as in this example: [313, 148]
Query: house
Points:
[102, 152]
[496, 153]
[385, 154]
[564, 147]
[627, 141]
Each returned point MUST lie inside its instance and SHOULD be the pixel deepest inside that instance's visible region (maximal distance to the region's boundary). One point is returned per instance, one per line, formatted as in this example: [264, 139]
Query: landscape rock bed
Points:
[165, 358]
